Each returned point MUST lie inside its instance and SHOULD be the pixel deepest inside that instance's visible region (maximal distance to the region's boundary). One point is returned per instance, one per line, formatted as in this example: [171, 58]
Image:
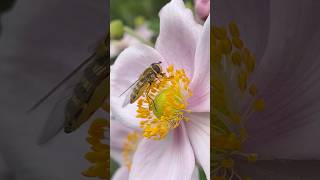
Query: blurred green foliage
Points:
[128, 10]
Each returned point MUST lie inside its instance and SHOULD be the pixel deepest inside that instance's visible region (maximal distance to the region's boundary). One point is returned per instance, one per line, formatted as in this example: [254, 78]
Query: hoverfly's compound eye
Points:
[156, 68]
[68, 129]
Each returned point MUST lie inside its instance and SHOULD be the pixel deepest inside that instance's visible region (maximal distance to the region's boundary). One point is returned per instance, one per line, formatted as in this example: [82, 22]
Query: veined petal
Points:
[170, 159]
[289, 79]
[121, 174]
[178, 36]
[200, 83]
[198, 129]
[125, 71]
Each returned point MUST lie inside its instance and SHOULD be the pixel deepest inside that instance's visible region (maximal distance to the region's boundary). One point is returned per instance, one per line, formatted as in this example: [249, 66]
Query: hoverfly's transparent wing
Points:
[97, 44]
[126, 100]
[54, 123]
[56, 120]
[70, 76]
[61, 93]
[128, 93]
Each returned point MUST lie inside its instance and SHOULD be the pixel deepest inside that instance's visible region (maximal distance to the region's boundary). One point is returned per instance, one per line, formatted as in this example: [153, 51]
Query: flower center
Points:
[129, 147]
[235, 99]
[164, 106]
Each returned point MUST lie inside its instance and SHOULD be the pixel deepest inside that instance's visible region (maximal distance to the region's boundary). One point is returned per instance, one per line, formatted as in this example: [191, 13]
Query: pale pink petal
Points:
[200, 83]
[202, 8]
[288, 79]
[198, 129]
[195, 174]
[125, 71]
[168, 159]
[121, 174]
[118, 134]
[178, 36]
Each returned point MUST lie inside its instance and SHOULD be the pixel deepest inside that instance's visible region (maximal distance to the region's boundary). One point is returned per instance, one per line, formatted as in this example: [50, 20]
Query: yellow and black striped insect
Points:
[144, 82]
[87, 97]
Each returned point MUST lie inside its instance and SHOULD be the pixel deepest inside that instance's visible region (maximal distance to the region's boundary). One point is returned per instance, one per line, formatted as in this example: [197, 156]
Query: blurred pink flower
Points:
[116, 46]
[186, 45]
[202, 8]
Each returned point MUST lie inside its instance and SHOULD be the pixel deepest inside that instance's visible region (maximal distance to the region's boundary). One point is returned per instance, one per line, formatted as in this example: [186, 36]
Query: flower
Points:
[285, 76]
[202, 8]
[176, 134]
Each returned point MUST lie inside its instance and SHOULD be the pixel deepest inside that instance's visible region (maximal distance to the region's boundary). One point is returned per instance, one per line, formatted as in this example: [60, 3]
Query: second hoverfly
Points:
[143, 84]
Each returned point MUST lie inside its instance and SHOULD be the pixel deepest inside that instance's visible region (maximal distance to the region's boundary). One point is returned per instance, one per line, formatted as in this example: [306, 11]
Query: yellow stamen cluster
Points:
[232, 64]
[129, 147]
[99, 155]
[163, 108]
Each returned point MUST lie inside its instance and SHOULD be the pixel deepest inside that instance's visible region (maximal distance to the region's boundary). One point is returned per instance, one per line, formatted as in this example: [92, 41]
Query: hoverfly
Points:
[87, 97]
[143, 84]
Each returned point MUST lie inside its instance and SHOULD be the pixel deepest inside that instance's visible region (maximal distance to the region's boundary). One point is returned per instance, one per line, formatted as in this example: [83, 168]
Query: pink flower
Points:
[184, 139]
[202, 8]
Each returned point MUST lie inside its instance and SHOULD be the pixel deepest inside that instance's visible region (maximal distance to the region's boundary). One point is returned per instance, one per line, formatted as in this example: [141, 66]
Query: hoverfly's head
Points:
[157, 67]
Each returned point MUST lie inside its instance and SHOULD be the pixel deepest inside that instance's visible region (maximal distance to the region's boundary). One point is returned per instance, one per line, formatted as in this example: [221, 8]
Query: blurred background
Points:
[133, 22]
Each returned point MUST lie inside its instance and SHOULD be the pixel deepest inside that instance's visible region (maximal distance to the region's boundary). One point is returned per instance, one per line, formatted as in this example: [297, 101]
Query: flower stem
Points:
[132, 33]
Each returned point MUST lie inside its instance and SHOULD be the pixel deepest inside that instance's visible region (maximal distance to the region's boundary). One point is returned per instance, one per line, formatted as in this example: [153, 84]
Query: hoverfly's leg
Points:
[148, 97]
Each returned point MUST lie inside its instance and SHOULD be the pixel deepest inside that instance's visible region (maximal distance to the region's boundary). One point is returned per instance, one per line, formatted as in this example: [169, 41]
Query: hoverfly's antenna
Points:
[156, 63]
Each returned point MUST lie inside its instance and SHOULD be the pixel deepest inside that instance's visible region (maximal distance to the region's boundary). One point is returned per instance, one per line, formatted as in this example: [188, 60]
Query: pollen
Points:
[100, 151]
[166, 104]
[129, 147]
[235, 98]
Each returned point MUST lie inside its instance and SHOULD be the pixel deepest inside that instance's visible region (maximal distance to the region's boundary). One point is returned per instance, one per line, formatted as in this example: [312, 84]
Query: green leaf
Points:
[113, 166]
[202, 175]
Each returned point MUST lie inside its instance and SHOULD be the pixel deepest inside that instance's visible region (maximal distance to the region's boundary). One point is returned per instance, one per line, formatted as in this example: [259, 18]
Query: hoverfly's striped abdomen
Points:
[94, 74]
[139, 87]
[145, 79]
